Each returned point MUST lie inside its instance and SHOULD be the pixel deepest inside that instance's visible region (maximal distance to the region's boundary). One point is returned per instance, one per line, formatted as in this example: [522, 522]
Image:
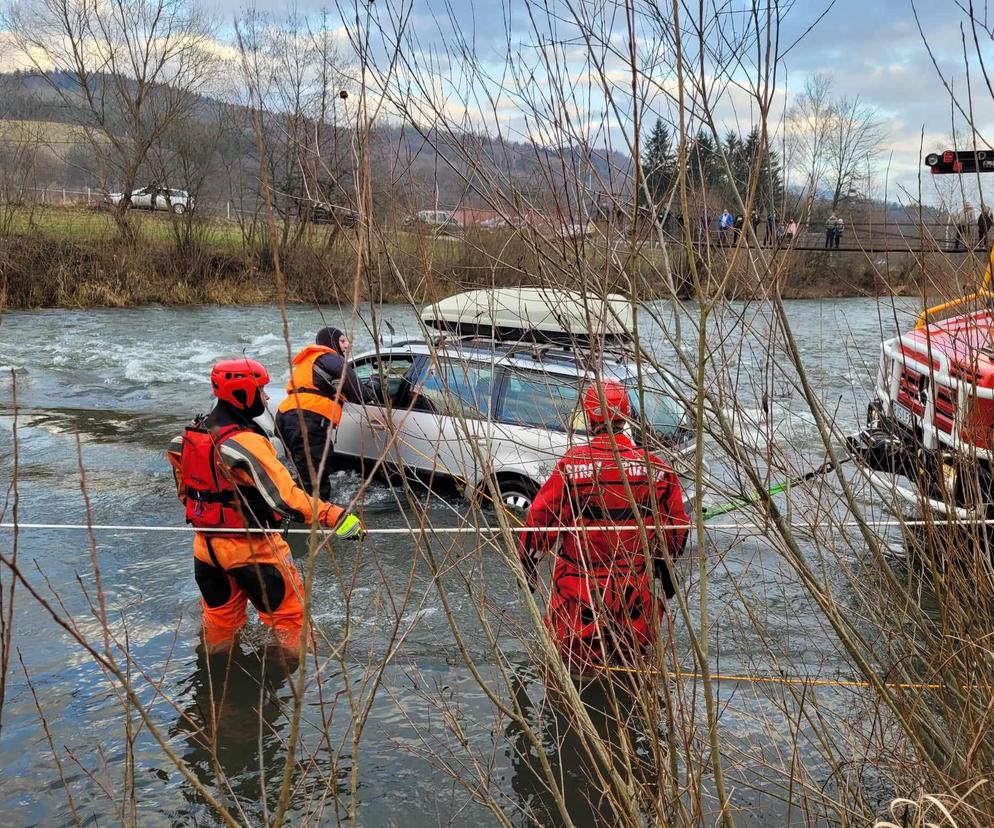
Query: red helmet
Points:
[616, 406]
[237, 381]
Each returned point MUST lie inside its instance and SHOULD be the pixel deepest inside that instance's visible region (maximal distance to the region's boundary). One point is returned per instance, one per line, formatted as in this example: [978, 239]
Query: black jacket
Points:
[330, 370]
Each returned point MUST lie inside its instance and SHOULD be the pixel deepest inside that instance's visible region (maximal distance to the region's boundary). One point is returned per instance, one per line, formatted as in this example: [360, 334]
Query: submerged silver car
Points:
[482, 412]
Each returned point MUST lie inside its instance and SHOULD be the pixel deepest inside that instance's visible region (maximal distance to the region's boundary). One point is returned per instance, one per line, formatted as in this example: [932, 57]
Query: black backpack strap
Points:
[210, 551]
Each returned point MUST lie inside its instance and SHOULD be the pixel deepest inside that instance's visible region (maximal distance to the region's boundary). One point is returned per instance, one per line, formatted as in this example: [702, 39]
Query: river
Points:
[125, 382]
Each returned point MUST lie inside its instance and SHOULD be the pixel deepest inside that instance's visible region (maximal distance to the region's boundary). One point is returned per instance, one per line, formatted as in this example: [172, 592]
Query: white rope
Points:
[472, 530]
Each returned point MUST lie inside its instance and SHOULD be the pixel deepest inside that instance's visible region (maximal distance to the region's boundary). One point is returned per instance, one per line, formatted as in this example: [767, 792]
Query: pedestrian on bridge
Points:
[964, 228]
[984, 223]
[830, 232]
[725, 225]
[772, 221]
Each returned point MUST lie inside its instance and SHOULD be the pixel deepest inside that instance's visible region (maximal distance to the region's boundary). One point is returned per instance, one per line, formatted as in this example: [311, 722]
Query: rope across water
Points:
[476, 530]
[471, 530]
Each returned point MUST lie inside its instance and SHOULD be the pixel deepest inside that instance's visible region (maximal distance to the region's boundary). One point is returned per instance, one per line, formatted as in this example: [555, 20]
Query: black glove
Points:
[662, 572]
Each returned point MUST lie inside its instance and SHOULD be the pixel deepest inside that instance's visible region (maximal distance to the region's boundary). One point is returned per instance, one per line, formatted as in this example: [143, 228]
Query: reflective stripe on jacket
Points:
[590, 488]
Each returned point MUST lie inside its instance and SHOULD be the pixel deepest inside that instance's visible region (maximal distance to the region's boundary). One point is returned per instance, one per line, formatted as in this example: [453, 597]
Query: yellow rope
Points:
[788, 680]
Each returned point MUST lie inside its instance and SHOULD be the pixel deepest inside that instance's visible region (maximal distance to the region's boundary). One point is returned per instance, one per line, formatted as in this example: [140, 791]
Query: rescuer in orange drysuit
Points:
[321, 380]
[601, 608]
[230, 480]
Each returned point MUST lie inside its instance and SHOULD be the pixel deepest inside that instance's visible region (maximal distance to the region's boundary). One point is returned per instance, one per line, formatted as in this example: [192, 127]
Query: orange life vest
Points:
[213, 501]
[301, 390]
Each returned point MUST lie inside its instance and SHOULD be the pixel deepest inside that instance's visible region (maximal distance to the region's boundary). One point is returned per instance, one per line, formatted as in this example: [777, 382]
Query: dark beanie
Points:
[330, 338]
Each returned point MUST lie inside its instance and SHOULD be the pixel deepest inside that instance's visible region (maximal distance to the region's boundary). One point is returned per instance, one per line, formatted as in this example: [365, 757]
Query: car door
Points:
[537, 413]
[448, 420]
[365, 430]
[141, 198]
[161, 199]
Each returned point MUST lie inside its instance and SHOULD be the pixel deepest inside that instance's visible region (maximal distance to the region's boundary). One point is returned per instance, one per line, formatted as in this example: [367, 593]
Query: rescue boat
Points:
[929, 435]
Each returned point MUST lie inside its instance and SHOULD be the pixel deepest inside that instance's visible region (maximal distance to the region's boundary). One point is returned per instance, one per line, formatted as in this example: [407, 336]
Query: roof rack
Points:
[568, 353]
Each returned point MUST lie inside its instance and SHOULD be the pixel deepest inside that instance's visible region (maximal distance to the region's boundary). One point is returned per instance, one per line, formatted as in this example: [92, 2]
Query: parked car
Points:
[440, 221]
[154, 197]
[481, 407]
[496, 223]
[324, 212]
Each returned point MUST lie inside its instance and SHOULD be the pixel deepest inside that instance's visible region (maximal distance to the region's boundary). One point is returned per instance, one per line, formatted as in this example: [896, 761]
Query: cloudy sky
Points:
[872, 48]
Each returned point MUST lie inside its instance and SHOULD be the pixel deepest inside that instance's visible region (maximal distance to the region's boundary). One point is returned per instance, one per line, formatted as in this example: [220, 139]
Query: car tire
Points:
[516, 493]
[179, 209]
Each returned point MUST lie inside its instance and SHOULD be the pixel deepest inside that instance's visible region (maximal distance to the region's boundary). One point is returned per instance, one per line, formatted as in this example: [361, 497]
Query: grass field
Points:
[82, 223]
[75, 256]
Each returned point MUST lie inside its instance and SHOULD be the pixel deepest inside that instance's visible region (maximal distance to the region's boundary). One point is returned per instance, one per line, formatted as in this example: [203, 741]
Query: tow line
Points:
[779, 488]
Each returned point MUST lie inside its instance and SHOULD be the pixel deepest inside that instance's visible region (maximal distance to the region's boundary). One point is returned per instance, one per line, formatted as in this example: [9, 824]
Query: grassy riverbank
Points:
[74, 257]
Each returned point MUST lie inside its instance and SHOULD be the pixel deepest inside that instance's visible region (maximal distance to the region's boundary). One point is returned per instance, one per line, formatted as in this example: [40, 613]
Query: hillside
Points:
[213, 153]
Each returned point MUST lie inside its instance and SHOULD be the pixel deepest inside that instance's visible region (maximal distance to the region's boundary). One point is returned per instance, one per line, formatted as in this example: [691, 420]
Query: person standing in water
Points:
[236, 490]
[321, 382]
[615, 501]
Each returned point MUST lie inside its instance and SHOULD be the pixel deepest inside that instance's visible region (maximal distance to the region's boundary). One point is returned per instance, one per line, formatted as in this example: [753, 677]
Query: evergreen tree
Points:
[738, 165]
[702, 166]
[658, 164]
[769, 188]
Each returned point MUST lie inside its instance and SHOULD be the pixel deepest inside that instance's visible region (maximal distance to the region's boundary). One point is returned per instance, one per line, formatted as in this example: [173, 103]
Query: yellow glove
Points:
[350, 527]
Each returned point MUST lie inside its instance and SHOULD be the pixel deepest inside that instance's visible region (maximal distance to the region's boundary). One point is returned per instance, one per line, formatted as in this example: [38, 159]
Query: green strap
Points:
[755, 497]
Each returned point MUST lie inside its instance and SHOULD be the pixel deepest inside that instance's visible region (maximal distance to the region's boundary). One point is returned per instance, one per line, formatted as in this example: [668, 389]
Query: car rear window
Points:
[541, 401]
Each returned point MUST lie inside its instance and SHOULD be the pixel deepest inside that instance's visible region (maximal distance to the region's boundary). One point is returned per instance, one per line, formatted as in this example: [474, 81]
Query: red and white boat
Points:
[929, 436]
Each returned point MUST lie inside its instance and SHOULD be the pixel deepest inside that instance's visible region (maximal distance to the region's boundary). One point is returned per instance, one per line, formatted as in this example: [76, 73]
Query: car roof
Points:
[547, 358]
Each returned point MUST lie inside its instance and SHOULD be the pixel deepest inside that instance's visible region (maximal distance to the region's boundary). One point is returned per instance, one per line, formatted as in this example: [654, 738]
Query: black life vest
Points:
[213, 500]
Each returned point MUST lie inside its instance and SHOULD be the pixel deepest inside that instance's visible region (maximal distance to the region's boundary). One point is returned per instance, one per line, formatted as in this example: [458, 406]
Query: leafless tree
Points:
[125, 70]
[809, 127]
[298, 74]
[854, 141]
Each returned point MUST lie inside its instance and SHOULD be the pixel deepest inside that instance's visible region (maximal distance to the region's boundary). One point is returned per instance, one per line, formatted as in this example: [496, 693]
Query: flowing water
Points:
[125, 382]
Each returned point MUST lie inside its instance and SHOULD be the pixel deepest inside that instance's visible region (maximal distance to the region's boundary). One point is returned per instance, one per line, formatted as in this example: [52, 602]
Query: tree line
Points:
[716, 170]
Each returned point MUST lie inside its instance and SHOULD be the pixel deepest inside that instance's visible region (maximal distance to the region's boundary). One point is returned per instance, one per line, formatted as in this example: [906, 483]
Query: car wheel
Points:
[517, 493]
[179, 209]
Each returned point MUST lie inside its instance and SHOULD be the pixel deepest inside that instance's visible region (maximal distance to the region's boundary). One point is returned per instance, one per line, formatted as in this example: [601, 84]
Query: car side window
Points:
[392, 368]
[663, 412]
[457, 389]
[541, 401]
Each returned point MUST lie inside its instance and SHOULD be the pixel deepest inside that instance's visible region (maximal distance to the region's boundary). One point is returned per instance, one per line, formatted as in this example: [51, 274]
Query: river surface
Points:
[124, 382]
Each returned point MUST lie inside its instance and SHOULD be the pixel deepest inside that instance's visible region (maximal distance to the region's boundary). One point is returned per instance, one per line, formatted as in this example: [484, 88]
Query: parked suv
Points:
[481, 410]
[156, 198]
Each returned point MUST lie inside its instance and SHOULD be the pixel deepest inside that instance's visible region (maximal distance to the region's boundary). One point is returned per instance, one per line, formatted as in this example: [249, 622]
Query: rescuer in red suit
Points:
[601, 609]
